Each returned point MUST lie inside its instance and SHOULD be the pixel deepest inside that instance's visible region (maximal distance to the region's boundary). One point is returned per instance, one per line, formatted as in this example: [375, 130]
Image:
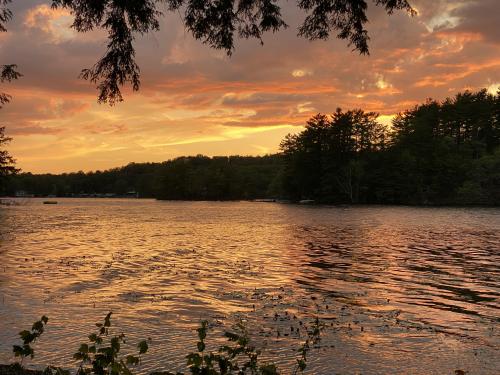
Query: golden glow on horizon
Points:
[494, 88]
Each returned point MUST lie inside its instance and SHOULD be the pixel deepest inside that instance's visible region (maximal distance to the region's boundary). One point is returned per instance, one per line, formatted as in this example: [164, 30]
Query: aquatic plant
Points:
[26, 350]
[239, 356]
[28, 338]
[313, 338]
[102, 355]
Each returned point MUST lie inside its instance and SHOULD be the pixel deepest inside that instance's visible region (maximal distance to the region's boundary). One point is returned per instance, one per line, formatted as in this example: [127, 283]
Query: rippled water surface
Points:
[399, 290]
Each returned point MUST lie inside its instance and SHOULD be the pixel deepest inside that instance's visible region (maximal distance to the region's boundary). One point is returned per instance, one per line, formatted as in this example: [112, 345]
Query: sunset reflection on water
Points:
[400, 290]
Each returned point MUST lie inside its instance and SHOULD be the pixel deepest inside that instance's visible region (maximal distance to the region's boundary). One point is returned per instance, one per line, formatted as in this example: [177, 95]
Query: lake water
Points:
[398, 289]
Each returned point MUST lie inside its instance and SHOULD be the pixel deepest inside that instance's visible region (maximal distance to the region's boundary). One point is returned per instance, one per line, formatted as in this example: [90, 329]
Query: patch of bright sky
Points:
[57, 23]
[381, 83]
[493, 88]
[305, 107]
[299, 73]
[386, 119]
[445, 20]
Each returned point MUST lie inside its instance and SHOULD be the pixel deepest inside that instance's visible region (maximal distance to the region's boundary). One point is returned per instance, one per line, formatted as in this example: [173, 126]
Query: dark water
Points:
[399, 290]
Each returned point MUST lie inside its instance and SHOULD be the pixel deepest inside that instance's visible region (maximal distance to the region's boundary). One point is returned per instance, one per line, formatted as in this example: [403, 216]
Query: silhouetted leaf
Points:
[143, 347]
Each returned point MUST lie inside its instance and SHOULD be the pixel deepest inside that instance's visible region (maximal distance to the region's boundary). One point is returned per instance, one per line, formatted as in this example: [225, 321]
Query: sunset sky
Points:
[194, 100]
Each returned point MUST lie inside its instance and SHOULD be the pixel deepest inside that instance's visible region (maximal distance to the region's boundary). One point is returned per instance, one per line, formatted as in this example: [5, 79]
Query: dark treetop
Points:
[7, 162]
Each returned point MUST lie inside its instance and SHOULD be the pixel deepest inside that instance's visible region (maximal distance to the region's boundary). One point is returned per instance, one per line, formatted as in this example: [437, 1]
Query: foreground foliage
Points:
[103, 354]
[28, 338]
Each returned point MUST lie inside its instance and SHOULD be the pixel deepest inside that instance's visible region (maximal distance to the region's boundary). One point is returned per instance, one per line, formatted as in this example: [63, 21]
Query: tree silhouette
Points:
[436, 153]
[325, 160]
[7, 72]
[5, 14]
[215, 22]
[7, 162]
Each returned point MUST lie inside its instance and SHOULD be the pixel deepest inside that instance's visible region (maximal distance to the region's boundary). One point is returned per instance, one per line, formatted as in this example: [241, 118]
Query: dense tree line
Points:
[436, 153]
[188, 178]
[221, 178]
[133, 177]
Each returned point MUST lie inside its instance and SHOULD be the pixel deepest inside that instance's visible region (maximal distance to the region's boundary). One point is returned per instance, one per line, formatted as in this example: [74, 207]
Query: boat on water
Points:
[306, 201]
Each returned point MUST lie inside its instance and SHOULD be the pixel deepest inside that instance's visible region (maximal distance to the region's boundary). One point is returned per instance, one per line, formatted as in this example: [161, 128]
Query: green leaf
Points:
[124, 369]
[269, 370]
[108, 352]
[93, 337]
[26, 336]
[60, 371]
[115, 344]
[131, 360]
[107, 320]
[143, 347]
[202, 331]
[38, 326]
[232, 336]
[193, 359]
[302, 364]
[201, 346]
[18, 351]
[28, 351]
[116, 368]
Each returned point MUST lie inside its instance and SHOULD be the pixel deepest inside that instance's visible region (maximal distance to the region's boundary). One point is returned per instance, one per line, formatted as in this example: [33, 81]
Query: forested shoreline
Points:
[437, 153]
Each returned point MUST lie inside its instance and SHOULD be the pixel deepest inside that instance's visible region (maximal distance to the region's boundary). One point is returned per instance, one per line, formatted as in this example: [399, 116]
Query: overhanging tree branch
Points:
[215, 22]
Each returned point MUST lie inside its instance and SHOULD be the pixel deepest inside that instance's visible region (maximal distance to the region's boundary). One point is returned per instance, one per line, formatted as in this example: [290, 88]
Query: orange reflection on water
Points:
[397, 288]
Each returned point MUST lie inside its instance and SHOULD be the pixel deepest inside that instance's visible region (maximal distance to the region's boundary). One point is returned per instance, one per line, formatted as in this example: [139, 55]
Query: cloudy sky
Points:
[195, 100]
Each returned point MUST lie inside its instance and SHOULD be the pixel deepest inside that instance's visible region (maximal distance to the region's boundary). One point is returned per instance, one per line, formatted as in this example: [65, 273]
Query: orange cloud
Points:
[463, 70]
[54, 22]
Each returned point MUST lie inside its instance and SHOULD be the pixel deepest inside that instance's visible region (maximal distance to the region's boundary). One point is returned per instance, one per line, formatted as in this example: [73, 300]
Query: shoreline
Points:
[270, 200]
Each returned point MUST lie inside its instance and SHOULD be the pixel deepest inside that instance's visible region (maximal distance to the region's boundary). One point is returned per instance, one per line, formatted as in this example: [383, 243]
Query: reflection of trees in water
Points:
[374, 257]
